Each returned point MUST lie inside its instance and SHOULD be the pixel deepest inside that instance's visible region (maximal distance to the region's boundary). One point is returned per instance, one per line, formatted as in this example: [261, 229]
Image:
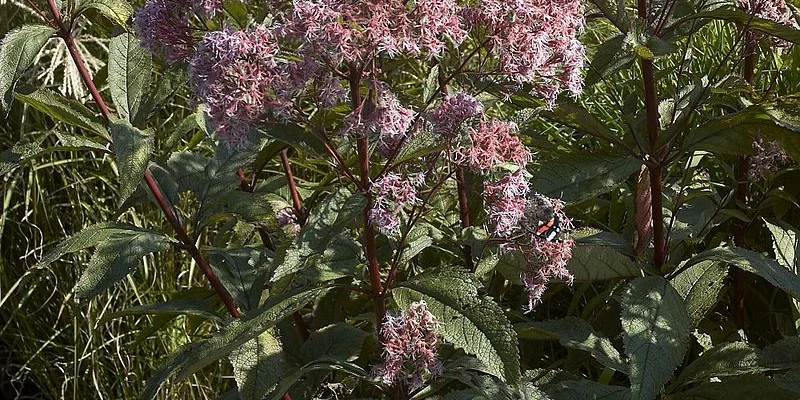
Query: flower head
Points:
[287, 219]
[390, 195]
[453, 111]
[774, 10]
[409, 347]
[767, 158]
[390, 119]
[493, 143]
[505, 201]
[162, 27]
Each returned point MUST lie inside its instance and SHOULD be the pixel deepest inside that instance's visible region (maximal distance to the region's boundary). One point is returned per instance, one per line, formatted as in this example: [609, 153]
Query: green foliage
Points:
[118, 11]
[132, 147]
[576, 178]
[128, 74]
[17, 52]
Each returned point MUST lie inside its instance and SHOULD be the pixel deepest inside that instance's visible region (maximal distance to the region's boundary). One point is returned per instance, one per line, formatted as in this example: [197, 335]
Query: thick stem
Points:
[370, 246]
[151, 182]
[296, 202]
[656, 172]
[463, 208]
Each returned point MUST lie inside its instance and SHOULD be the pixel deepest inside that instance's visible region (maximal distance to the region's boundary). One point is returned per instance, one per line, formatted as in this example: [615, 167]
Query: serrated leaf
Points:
[21, 151]
[17, 52]
[746, 387]
[243, 272]
[750, 261]
[575, 178]
[317, 365]
[193, 307]
[128, 73]
[66, 110]
[88, 237]
[731, 14]
[598, 263]
[319, 241]
[655, 334]
[576, 116]
[576, 333]
[336, 342]
[609, 58]
[258, 365]
[132, 147]
[586, 390]
[194, 356]
[470, 322]
[699, 286]
[727, 359]
[785, 245]
[116, 258]
[118, 11]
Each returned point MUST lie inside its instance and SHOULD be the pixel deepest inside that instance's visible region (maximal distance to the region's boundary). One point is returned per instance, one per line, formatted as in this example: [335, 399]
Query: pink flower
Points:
[536, 42]
[391, 194]
[505, 202]
[409, 347]
[453, 111]
[390, 119]
[767, 158]
[774, 10]
[162, 27]
[493, 143]
[287, 219]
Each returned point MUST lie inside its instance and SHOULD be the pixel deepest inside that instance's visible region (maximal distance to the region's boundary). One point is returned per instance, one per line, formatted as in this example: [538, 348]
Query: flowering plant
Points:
[407, 198]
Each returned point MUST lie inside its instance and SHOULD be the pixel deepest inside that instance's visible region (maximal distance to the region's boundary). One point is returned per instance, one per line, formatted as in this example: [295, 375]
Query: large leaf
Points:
[727, 359]
[611, 56]
[575, 333]
[740, 16]
[746, 387]
[756, 263]
[319, 365]
[320, 244]
[194, 356]
[599, 262]
[132, 147]
[88, 237]
[784, 353]
[63, 109]
[575, 178]
[22, 151]
[468, 321]
[17, 52]
[128, 73]
[116, 258]
[117, 11]
[699, 286]
[258, 365]
[586, 390]
[337, 342]
[656, 334]
[243, 272]
[785, 244]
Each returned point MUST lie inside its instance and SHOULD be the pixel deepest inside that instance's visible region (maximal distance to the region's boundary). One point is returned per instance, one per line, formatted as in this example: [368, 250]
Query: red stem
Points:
[463, 208]
[223, 294]
[298, 205]
[369, 231]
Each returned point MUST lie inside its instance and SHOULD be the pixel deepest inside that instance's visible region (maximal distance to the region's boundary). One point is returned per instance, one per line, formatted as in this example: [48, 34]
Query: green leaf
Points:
[789, 380]
[66, 110]
[17, 52]
[336, 342]
[699, 286]
[471, 322]
[320, 244]
[115, 258]
[598, 263]
[746, 387]
[656, 334]
[193, 307]
[118, 11]
[609, 58]
[194, 356]
[88, 237]
[128, 73]
[575, 116]
[295, 136]
[586, 390]
[785, 245]
[317, 365]
[782, 354]
[727, 359]
[576, 333]
[258, 365]
[132, 147]
[740, 16]
[756, 263]
[575, 178]
[243, 272]
[14, 157]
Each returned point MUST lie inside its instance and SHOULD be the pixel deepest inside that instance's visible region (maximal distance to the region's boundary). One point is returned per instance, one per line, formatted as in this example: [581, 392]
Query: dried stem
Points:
[169, 212]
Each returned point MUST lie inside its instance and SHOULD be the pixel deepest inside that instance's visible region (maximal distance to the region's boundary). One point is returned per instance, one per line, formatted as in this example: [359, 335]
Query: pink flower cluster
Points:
[547, 259]
[774, 10]
[505, 202]
[162, 27]
[287, 219]
[536, 41]
[409, 347]
[240, 79]
[767, 158]
[391, 194]
[493, 143]
[343, 31]
[453, 111]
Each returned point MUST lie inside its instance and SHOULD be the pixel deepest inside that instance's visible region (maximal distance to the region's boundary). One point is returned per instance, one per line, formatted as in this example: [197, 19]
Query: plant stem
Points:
[189, 244]
[298, 205]
[370, 246]
[656, 168]
[463, 208]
